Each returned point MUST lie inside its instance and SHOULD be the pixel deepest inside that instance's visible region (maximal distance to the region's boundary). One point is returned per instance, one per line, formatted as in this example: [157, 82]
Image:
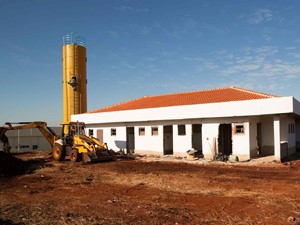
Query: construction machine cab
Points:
[72, 128]
[69, 129]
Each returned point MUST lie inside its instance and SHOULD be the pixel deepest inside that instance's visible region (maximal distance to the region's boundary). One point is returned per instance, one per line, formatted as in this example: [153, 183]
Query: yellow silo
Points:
[74, 76]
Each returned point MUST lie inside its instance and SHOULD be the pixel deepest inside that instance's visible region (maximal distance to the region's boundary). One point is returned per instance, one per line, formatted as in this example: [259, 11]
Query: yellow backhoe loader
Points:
[73, 142]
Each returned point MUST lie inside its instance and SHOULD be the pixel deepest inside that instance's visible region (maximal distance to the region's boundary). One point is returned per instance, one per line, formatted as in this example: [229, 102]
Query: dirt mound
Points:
[11, 166]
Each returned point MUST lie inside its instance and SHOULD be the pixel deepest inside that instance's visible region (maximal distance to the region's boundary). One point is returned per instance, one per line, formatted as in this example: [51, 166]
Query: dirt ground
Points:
[36, 190]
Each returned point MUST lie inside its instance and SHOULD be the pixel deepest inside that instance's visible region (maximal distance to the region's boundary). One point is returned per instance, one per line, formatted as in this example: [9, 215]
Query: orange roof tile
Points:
[187, 98]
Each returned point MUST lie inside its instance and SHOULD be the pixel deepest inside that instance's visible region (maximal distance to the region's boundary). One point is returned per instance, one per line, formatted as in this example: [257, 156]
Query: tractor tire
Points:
[75, 156]
[58, 152]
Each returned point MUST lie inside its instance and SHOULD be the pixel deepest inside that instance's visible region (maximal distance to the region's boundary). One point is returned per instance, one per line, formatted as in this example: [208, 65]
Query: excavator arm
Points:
[46, 131]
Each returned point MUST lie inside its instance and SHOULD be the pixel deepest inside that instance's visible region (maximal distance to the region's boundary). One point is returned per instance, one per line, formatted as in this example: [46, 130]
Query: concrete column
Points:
[276, 123]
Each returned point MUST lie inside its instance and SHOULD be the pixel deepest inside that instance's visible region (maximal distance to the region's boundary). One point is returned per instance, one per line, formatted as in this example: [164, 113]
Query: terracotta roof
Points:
[187, 98]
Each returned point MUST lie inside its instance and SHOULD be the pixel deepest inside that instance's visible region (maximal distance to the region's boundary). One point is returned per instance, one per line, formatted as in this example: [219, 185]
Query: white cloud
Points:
[201, 63]
[296, 55]
[267, 37]
[209, 65]
[265, 64]
[241, 68]
[290, 48]
[244, 59]
[259, 16]
[266, 50]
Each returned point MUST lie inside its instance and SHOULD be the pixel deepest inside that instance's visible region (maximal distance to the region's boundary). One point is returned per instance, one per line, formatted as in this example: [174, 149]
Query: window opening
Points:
[154, 131]
[113, 132]
[291, 128]
[142, 131]
[181, 130]
[239, 129]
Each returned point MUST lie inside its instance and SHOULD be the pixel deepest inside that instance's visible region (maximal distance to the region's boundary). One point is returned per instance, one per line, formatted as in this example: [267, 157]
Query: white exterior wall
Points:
[148, 142]
[182, 143]
[117, 142]
[241, 142]
[287, 135]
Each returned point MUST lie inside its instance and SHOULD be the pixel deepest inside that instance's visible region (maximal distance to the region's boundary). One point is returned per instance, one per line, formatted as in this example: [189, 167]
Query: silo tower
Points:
[74, 75]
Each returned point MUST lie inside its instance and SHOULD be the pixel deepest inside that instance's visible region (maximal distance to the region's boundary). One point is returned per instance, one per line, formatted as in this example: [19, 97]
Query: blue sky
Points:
[138, 47]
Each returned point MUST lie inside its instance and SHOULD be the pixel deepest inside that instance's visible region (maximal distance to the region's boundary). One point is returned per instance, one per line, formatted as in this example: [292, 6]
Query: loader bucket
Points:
[99, 156]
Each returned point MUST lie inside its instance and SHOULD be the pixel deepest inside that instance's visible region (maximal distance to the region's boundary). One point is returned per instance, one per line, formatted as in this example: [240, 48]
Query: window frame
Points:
[239, 128]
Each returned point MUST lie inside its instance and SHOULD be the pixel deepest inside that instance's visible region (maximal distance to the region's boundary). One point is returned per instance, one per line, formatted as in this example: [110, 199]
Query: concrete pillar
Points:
[277, 150]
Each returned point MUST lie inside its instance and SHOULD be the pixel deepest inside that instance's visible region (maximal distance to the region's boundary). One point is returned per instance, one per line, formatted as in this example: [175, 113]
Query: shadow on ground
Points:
[11, 166]
[9, 222]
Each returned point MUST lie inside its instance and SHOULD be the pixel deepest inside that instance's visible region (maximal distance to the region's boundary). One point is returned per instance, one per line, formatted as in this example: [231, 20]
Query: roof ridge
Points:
[253, 92]
[109, 106]
[187, 92]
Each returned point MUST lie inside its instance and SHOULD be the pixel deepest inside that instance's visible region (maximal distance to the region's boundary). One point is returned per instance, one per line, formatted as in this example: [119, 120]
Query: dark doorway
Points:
[225, 139]
[168, 140]
[259, 138]
[197, 138]
[130, 139]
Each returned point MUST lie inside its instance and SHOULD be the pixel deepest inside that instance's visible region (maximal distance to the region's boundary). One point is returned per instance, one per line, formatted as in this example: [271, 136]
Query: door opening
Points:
[197, 138]
[168, 140]
[225, 140]
[130, 139]
[259, 139]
